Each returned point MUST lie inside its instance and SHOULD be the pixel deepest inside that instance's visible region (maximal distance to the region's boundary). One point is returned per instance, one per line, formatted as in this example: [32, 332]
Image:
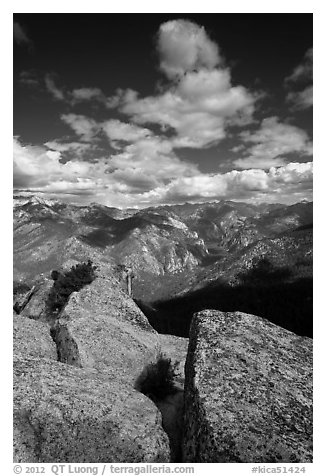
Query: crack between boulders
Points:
[19, 308]
[175, 444]
[67, 348]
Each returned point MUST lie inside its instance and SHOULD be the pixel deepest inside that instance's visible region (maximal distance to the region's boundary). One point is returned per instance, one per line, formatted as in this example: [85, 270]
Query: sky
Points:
[138, 110]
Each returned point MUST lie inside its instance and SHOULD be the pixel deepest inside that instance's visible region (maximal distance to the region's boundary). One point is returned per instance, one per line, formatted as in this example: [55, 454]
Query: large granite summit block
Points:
[248, 391]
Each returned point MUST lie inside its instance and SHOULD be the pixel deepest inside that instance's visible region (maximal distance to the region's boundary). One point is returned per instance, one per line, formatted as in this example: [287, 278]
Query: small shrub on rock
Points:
[157, 379]
[66, 283]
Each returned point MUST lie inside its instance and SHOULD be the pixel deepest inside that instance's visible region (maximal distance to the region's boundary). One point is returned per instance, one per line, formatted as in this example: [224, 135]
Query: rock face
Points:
[102, 328]
[248, 391]
[32, 339]
[21, 299]
[65, 414]
[84, 408]
[35, 307]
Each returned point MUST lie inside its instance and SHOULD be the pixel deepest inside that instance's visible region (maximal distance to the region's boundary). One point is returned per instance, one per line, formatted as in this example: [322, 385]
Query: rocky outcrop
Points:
[248, 391]
[65, 414]
[20, 300]
[32, 339]
[102, 328]
[35, 306]
[84, 407]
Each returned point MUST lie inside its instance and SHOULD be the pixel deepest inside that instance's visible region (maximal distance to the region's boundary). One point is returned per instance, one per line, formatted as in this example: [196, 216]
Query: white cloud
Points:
[53, 89]
[154, 157]
[216, 186]
[141, 167]
[236, 185]
[238, 148]
[301, 99]
[198, 108]
[87, 94]
[272, 142]
[133, 178]
[294, 173]
[75, 96]
[116, 130]
[76, 147]
[37, 166]
[20, 36]
[85, 127]
[40, 170]
[199, 101]
[184, 46]
[304, 70]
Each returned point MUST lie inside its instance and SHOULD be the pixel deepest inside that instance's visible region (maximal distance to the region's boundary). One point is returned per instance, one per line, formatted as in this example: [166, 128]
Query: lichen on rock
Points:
[248, 391]
[84, 408]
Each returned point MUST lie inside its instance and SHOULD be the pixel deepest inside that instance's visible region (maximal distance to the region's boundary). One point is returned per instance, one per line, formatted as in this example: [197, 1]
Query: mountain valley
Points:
[231, 255]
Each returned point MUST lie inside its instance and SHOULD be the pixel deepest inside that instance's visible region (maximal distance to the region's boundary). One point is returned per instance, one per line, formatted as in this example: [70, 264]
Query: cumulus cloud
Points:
[39, 169]
[132, 178]
[197, 109]
[184, 46]
[74, 150]
[272, 142]
[85, 127]
[35, 166]
[117, 130]
[20, 35]
[253, 184]
[199, 102]
[120, 180]
[139, 153]
[294, 173]
[154, 157]
[216, 186]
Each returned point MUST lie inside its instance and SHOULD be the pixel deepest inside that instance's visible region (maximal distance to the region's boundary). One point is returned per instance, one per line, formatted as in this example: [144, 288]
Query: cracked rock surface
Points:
[67, 414]
[102, 328]
[84, 408]
[35, 307]
[248, 391]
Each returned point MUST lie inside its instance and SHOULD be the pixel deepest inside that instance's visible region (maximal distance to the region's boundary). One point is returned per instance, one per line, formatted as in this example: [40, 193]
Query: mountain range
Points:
[173, 251]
